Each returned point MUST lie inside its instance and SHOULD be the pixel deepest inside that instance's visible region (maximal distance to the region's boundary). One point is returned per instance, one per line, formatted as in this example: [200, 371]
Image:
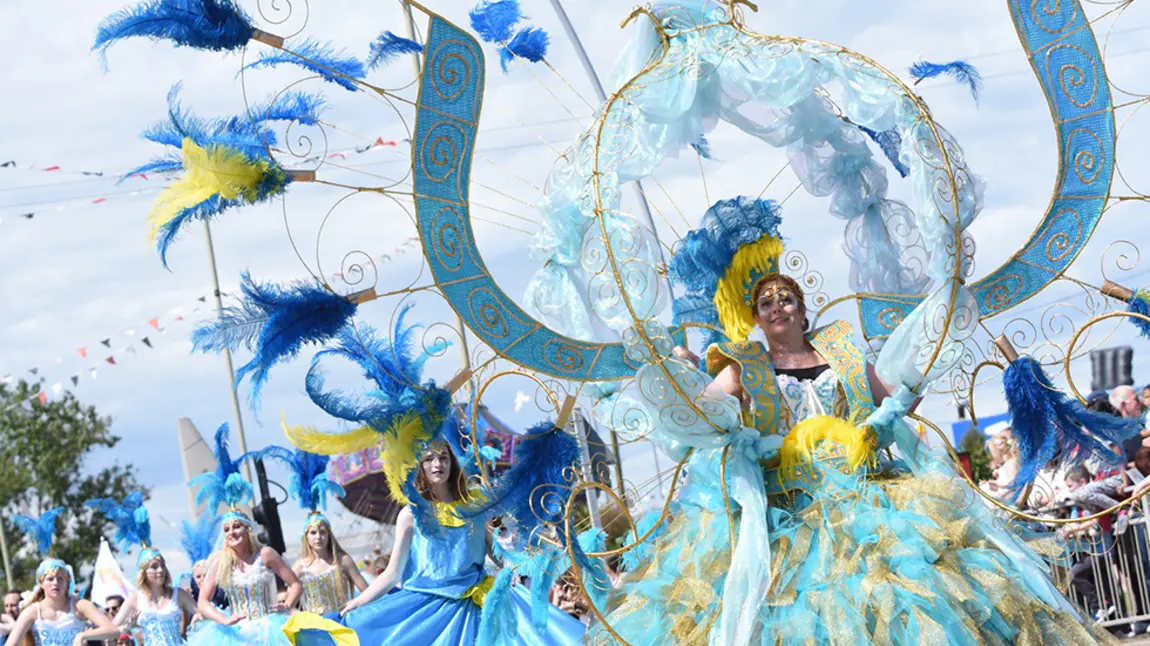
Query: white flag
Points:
[108, 579]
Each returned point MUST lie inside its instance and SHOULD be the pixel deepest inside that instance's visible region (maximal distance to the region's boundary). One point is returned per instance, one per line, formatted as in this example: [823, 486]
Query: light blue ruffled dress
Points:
[437, 604]
[251, 592]
[61, 632]
[875, 555]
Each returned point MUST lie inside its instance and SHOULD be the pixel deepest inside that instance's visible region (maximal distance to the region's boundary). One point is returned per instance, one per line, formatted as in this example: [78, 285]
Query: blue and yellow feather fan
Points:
[275, 322]
[224, 487]
[220, 25]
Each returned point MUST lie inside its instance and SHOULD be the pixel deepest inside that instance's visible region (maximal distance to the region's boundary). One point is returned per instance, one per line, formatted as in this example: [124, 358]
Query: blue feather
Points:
[340, 68]
[223, 486]
[133, 527]
[641, 553]
[960, 71]
[199, 538]
[538, 467]
[529, 43]
[276, 322]
[388, 47]
[596, 581]
[42, 529]
[891, 143]
[217, 25]
[1047, 424]
[703, 147]
[1140, 305]
[302, 107]
[497, 621]
[157, 165]
[494, 20]
[205, 210]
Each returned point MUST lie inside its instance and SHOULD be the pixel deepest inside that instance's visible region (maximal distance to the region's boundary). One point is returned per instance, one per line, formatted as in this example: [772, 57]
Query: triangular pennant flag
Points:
[111, 360]
[131, 349]
[130, 332]
[83, 352]
[8, 164]
[107, 342]
[155, 322]
[146, 342]
[43, 397]
[27, 216]
[58, 360]
[75, 380]
[56, 388]
[203, 299]
[92, 371]
[34, 371]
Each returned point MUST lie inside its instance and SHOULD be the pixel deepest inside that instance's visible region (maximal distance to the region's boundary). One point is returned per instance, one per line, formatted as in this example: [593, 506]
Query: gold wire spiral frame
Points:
[1086, 326]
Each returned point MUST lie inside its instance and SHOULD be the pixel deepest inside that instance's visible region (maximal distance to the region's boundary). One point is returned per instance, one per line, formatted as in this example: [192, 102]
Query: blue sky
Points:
[73, 277]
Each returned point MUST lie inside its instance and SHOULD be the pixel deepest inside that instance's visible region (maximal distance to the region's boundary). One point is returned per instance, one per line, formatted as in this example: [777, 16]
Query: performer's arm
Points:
[352, 572]
[880, 390]
[404, 530]
[187, 609]
[126, 610]
[23, 622]
[104, 629]
[207, 591]
[272, 560]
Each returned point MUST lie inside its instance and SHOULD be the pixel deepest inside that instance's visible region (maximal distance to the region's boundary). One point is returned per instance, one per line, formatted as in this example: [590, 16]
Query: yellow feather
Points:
[735, 314]
[215, 170]
[313, 440]
[400, 454]
[801, 444]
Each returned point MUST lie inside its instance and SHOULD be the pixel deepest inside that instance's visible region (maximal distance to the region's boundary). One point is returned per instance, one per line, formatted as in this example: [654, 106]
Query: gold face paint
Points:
[771, 295]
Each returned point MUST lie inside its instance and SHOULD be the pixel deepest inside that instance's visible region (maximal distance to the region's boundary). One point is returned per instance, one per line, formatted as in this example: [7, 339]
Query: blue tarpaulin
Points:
[958, 429]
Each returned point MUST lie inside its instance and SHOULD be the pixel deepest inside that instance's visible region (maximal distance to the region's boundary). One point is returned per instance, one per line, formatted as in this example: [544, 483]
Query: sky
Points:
[78, 273]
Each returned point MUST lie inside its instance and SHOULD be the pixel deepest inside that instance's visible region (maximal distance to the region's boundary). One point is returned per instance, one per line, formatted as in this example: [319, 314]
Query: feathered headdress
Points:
[225, 486]
[1047, 424]
[198, 538]
[133, 526]
[275, 322]
[220, 25]
[720, 263]
[408, 413]
[43, 531]
[310, 485]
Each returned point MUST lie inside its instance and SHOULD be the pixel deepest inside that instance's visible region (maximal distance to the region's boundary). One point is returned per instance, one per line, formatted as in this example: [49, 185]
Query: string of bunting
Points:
[379, 143]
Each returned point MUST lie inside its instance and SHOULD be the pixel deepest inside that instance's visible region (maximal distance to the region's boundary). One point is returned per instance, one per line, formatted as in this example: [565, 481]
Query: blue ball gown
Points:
[251, 592]
[439, 603]
[842, 551]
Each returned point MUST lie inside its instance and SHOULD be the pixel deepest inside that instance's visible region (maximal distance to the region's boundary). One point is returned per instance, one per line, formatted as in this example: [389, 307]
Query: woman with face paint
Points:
[55, 616]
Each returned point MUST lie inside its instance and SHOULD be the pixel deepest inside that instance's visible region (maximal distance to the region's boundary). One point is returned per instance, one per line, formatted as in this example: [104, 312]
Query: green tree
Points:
[974, 445]
[43, 449]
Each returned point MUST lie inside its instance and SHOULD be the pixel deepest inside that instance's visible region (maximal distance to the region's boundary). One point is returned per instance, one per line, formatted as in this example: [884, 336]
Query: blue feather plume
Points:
[960, 71]
[494, 20]
[388, 47]
[42, 529]
[205, 210]
[497, 621]
[1046, 423]
[1140, 304]
[394, 367]
[217, 25]
[539, 464]
[703, 147]
[301, 107]
[225, 485]
[529, 43]
[641, 553]
[198, 539]
[340, 67]
[891, 143]
[133, 526]
[310, 485]
[275, 322]
[240, 132]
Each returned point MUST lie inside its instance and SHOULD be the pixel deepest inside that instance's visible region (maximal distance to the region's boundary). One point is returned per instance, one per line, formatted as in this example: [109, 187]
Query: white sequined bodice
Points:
[322, 593]
[805, 398]
[60, 632]
[162, 626]
[252, 591]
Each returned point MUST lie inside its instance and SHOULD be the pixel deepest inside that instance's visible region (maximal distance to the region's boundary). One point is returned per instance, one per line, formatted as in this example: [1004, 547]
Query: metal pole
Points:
[409, 23]
[228, 355]
[4, 553]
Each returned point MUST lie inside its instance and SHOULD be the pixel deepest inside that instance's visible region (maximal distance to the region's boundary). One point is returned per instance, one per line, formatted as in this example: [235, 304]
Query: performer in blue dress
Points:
[55, 616]
[441, 572]
[799, 529]
[161, 610]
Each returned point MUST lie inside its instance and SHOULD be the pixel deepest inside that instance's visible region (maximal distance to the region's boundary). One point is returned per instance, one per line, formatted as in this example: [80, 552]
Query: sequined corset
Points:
[162, 626]
[61, 632]
[252, 591]
[322, 593]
